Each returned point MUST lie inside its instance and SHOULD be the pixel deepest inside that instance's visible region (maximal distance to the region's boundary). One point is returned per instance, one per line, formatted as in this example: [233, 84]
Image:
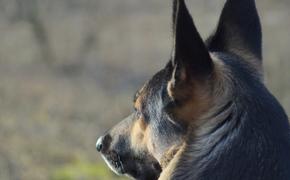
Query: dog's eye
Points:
[138, 114]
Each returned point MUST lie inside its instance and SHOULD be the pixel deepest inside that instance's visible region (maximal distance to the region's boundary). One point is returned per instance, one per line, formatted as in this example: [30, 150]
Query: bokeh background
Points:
[69, 68]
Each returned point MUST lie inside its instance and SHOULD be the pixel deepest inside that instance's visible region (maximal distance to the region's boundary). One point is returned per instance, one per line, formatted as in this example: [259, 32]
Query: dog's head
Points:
[167, 106]
[136, 145]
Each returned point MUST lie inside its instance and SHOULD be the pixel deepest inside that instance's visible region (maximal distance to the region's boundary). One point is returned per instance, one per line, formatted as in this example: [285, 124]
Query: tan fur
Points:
[139, 135]
[171, 167]
[198, 102]
[168, 156]
[194, 95]
[138, 103]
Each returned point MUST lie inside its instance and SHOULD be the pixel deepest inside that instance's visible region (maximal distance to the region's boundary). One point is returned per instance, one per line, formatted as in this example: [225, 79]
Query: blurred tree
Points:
[8, 169]
[28, 11]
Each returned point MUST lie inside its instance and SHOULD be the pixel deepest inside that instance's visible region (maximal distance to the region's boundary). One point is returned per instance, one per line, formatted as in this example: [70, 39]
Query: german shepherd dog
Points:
[207, 114]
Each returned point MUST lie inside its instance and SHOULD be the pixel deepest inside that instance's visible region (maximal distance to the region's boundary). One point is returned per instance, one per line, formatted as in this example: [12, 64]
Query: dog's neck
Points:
[222, 98]
[212, 122]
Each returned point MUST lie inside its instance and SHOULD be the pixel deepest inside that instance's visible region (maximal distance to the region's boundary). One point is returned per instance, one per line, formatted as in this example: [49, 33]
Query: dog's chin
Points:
[144, 173]
[115, 164]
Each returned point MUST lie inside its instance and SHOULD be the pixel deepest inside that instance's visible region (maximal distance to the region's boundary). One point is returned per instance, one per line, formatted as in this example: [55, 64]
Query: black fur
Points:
[190, 50]
[239, 29]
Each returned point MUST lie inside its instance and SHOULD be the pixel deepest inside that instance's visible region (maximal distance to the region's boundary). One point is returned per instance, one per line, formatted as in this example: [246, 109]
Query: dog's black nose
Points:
[99, 144]
[103, 143]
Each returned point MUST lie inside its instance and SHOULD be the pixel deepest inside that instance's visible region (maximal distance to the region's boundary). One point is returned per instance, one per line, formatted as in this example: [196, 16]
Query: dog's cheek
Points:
[150, 143]
[138, 135]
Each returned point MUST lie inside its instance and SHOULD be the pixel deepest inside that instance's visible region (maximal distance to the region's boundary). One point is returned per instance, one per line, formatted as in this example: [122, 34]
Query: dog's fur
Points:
[207, 114]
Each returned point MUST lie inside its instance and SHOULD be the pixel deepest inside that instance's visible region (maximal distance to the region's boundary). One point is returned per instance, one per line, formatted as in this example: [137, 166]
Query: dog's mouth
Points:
[114, 162]
[134, 168]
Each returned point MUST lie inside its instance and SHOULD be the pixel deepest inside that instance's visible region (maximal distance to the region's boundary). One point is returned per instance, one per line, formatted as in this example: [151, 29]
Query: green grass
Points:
[84, 170]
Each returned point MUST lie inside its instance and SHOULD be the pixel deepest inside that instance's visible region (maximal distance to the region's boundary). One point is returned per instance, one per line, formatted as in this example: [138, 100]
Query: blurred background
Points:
[69, 69]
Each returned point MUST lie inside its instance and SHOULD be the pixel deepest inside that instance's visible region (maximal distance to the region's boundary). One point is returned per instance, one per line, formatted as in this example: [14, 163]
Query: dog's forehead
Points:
[152, 87]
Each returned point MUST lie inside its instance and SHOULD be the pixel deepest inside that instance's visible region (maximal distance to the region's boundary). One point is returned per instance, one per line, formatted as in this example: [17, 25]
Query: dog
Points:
[207, 114]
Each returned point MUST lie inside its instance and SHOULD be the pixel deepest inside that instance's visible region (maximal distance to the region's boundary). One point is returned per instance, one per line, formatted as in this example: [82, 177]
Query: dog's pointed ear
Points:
[239, 30]
[189, 52]
[190, 58]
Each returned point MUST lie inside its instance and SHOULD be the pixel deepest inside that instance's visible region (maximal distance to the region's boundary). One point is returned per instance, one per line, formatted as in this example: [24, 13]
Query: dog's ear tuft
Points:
[190, 56]
[238, 30]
